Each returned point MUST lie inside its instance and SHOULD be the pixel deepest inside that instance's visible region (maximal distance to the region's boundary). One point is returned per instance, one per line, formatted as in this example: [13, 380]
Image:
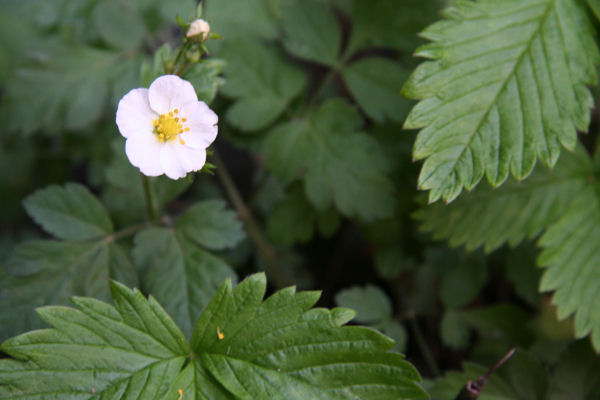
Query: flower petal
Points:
[144, 151]
[169, 92]
[169, 159]
[202, 122]
[191, 159]
[134, 114]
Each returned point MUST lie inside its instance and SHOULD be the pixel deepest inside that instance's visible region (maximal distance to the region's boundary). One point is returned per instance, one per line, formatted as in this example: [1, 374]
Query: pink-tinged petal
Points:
[191, 159]
[134, 114]
[202, 122]
[169, 92]
[169, 159]
[144, 151]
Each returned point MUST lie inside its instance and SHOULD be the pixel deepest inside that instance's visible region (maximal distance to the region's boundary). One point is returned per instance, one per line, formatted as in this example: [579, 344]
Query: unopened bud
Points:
[199, 28]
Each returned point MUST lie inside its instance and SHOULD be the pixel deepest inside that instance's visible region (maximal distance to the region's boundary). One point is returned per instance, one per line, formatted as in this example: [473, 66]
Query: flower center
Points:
[168, 126]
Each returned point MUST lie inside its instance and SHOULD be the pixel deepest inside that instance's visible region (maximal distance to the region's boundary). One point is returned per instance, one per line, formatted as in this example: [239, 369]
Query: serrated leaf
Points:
[512, 213]
[507, 86]
[179, 274]
[132, 351]
[206, 79]
[571, 258]
[70, 212]
[119, 24]
[343, 167]
[49, 272]
[311, 31]
[262, 82]
[211, 225]
[243, 348]
[375, 83]
[259, 339]
[371, 303]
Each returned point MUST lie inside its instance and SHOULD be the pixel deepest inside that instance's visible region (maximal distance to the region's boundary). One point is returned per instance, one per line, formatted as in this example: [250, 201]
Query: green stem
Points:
[151, 206]
[265, 249]
[130, 230]
[418, 335]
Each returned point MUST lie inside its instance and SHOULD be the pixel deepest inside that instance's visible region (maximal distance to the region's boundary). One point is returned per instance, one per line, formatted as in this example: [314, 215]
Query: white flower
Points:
[166, 127]
[199, 27]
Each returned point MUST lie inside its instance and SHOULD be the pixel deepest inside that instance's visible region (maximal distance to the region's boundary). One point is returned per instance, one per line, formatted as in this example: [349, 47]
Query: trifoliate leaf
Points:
[97, 351]
[311, 31]
[49, 272]
[512, 213]
[242, 18]
[571, 257]
[211, 225]
[507, 86]
[342, 166]
[390, 23]
[179, 274]
[375, 83]
[242, 348]
[262, 82]
[371, 303]
[251, 348]
[70, 212]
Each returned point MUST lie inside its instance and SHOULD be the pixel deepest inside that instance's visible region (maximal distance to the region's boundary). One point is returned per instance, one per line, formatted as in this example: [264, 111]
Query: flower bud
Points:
[199, 28]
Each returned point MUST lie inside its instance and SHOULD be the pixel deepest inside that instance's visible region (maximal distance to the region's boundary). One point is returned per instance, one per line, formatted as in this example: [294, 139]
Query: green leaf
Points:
[130, 351]
[343, 167]
[375, 83]
[69, 213]
[577, 375]
[211, 225]
[119, 24]
[242, 348]
[205, 78]
[311, 31]
[571, 257]
[257, 358]
[179, 274]
[242, 18]
[595, 6]
[454, 332]
[262, 82]
[507, 86]
[49, 272]
[463, 278]
[371, 303]
[390, 23]
[515, 212]
[66, 88]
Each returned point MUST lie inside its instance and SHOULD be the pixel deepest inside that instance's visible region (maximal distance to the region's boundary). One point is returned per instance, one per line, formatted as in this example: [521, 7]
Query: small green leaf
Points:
[343, 167]
[70, 212]
[182, 276]
[311, 31]
[371, 303]
[375, 83]
[454, 332]
[211, 225]
[262, 82]
[119, 24]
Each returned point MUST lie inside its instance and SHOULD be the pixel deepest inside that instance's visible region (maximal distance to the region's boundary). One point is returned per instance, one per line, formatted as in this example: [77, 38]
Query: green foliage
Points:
[343, 166]
[506, 87]
[233, 352]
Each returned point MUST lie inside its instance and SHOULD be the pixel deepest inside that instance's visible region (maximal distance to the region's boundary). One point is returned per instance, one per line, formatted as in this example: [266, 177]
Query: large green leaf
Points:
[342, 166]
[262, 82]
[70, 212]
[181, 275]
[513, 212]
[49, 272]
[97, 351]
[507, 86]
[571, 256]
[311, 30]
[242, 18]
[595, 6]
[242, 348]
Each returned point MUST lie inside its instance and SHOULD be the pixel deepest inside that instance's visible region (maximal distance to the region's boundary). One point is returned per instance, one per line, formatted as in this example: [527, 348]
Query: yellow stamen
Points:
[171, 114]
[187, 129]
[181, 141]
[183, 119]
[176, 111]
[167, 127]
[180, 392]
[220, 334]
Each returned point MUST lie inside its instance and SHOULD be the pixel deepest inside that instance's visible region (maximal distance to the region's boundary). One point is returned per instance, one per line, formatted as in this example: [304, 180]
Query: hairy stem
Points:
[263, 246]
